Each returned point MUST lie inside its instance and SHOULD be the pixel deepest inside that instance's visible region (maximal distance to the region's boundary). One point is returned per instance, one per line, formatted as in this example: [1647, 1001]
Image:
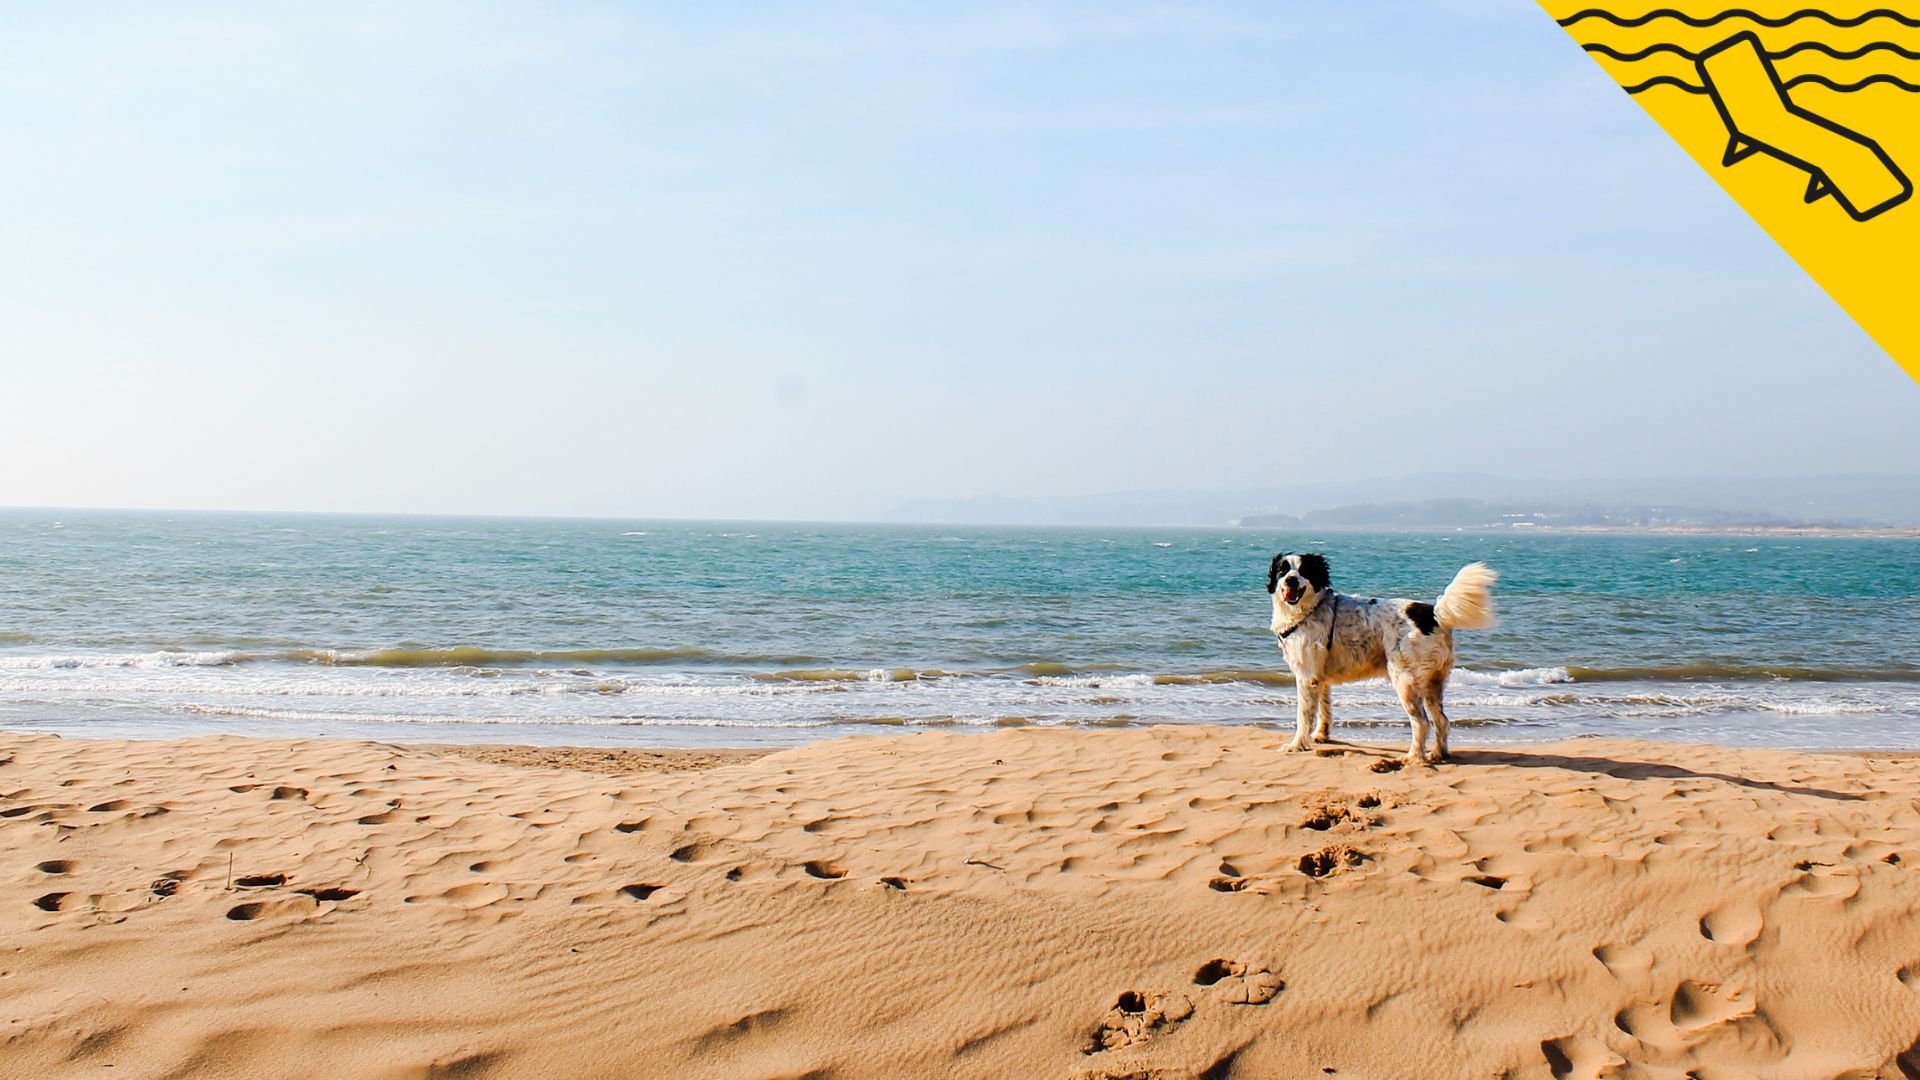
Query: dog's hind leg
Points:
[1416, 715]
[1436, 690]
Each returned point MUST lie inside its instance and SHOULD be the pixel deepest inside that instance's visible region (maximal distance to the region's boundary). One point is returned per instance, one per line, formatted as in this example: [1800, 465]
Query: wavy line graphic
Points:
[1781, 54]
[1666, 80]
[1738, 13]
[1822, 80]
[1797, 80]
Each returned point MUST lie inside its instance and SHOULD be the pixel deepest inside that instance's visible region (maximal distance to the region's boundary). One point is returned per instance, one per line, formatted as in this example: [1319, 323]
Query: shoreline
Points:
[1172, 901]
[615, 760]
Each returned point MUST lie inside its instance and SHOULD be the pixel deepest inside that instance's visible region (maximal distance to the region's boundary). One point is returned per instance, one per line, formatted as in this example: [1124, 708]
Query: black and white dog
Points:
[1330, 637]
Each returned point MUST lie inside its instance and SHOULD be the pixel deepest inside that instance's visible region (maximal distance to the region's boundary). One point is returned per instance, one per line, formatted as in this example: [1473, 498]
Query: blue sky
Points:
[813, 260]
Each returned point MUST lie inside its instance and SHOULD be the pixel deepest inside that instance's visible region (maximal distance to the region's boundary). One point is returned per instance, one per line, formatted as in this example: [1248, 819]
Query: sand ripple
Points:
[1161, 902]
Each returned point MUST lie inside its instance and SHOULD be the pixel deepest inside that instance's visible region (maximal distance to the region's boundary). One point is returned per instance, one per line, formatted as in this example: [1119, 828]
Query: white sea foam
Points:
[121, 660]
[1094, 682]
[1538, 676]
[312, 716]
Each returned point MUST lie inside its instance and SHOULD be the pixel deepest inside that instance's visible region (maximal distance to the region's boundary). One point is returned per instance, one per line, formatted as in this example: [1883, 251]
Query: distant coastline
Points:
[1865, 532]
[1538, 515]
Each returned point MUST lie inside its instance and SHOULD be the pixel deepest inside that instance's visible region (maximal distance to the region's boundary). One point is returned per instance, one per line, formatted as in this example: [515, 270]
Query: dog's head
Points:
[1293, 577]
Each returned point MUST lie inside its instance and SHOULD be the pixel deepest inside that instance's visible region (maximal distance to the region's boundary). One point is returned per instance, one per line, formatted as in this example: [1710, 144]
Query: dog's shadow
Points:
[1635, 770]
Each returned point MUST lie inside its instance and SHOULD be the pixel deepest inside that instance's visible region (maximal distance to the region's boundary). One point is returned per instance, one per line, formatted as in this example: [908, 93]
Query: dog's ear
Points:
[1314, 569]
[1273, 570]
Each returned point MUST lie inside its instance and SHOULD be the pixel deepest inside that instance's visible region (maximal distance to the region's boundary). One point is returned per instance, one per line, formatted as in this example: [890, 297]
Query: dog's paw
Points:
[1299, 746]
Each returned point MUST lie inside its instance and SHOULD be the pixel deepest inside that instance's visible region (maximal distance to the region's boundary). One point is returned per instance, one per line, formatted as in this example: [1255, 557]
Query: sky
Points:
[811, 261]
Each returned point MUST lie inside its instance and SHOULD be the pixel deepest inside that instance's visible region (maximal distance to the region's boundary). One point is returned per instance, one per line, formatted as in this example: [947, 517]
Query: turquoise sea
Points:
[157, 624]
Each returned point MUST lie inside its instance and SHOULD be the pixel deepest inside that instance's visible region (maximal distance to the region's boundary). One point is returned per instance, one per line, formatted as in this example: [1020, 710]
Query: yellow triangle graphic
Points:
[1809, 116]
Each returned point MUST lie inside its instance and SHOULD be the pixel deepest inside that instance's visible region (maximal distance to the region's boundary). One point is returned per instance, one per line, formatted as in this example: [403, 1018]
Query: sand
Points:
[1158, 902]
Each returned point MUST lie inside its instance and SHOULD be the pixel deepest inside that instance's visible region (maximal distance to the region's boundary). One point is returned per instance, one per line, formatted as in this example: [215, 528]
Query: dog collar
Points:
[1334, 612]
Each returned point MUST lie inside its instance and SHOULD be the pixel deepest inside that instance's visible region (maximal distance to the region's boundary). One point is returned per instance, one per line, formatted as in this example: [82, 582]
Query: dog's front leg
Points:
[1323, 713]
[1307, 696]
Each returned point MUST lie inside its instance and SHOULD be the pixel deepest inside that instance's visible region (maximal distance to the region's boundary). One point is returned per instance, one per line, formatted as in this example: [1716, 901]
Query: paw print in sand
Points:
[1239, 983]
[1137, 1016]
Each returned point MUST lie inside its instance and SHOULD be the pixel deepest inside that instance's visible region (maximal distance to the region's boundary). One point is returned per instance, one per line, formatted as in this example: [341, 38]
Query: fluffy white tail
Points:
[1468, 602]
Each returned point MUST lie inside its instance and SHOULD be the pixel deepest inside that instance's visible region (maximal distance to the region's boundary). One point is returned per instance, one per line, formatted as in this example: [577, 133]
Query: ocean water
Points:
[155, 624]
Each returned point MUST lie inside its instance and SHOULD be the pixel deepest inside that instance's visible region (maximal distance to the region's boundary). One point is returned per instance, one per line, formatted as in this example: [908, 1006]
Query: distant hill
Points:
[1480, 514]
[1437, 500]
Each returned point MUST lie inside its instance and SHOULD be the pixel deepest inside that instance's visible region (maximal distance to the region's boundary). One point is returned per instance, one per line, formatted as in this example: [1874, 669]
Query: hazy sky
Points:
[810, 260]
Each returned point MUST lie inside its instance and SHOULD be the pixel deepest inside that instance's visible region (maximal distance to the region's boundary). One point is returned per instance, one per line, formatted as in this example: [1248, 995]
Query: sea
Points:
[606, 632]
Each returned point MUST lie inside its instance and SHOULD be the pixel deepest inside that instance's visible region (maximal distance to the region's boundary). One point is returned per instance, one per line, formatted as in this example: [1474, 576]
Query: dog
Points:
[1329, 637]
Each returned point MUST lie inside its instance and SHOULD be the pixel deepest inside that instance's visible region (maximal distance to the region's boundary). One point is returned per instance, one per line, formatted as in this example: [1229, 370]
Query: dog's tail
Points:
[1468, 602]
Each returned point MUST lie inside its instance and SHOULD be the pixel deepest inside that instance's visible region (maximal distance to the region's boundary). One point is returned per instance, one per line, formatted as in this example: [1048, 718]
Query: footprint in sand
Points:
[1239, 983]
[1823, 881]
[1228, 880]
[260, 881]
[1738, 925]
[57, 866]
[1328, 811]
[1138, 1016]
[1629, 964]
[472, 896]
[1576, 1058]
[1332, 859]
[1698, 1005]
[694, 851]
[260, 909]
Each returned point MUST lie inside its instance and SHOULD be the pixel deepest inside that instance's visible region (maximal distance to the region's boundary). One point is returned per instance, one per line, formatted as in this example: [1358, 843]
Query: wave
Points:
[1095, 682]
[841, 675]
[1538, 676]
[1207, 678]
[482, 656]
[162, 659]
[517, 671]
[1739, 13]
[322, 716]
[1715, 670]
[246, 712]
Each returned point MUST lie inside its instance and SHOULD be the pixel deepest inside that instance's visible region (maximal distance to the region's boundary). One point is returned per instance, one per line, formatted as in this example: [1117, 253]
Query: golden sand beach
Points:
[1158, 902]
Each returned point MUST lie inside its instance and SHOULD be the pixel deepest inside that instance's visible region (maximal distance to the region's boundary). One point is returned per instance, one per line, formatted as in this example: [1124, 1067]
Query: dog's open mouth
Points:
[1292, 595]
